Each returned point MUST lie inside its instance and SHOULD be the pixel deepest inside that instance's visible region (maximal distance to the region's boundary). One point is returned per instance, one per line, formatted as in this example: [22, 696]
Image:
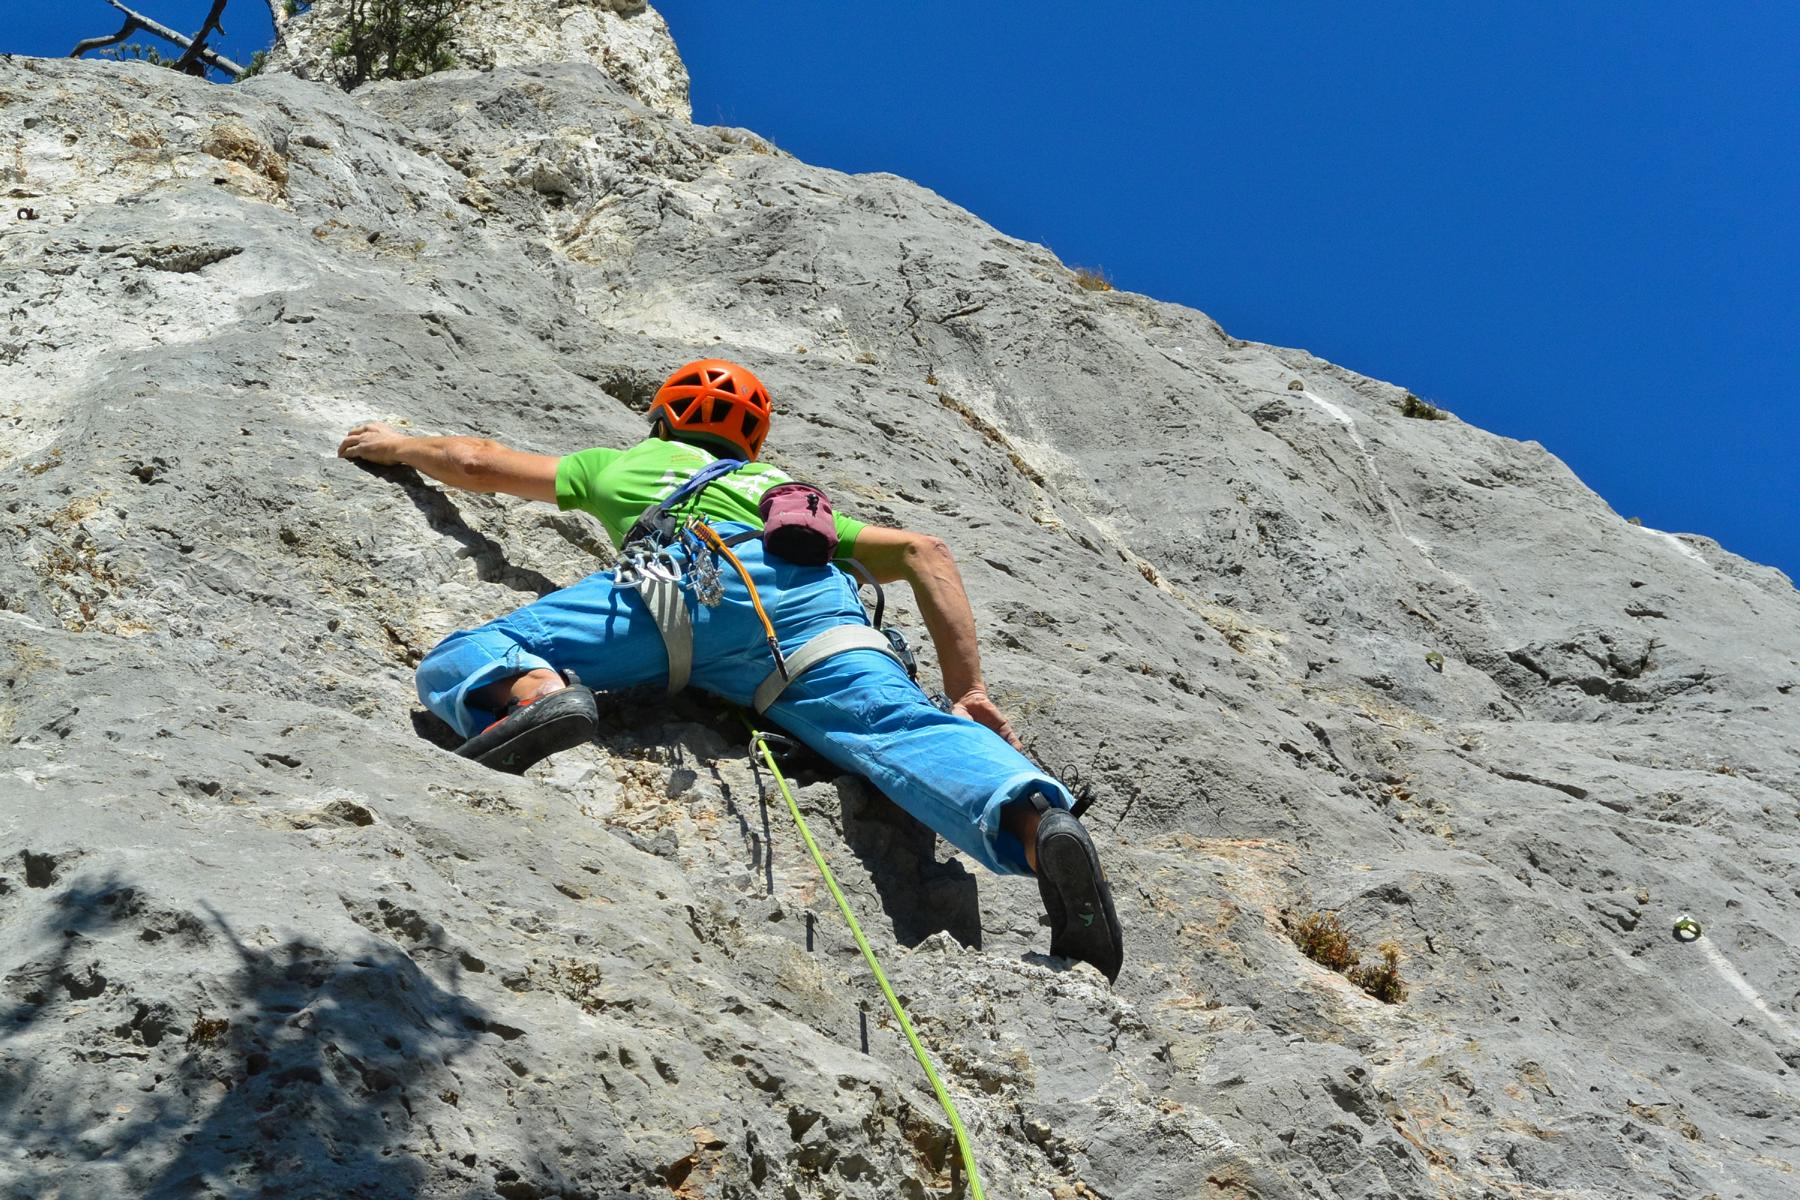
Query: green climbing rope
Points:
[759, 740]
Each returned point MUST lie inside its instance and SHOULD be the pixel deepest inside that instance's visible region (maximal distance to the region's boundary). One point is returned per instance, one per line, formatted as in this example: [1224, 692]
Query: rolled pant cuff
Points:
[1005, 853]
[461, 666]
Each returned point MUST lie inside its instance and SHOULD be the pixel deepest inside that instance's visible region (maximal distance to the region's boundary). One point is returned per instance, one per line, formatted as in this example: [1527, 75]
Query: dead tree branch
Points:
[197, 47]
[194, 48]
[81, 48]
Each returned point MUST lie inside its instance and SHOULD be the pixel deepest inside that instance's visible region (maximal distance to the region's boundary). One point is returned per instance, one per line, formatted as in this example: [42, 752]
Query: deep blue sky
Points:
[1573, 223]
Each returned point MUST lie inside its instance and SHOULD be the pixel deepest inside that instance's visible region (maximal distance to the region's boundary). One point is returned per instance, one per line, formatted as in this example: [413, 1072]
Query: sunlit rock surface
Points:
[261, 935]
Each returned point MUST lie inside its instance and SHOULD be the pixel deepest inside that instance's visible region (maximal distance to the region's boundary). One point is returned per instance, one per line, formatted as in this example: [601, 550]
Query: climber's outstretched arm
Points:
[926, 563]
[475, 464]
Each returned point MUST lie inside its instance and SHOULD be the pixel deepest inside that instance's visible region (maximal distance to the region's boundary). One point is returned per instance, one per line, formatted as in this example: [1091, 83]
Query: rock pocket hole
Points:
[40, 869]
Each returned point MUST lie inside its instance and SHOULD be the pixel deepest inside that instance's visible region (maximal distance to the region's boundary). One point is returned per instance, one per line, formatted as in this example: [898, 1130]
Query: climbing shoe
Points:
[534, 730]
[1083, 924]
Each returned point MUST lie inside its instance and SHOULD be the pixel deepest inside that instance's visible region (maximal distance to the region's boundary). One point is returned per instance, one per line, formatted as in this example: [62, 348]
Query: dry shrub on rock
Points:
[1323, 938]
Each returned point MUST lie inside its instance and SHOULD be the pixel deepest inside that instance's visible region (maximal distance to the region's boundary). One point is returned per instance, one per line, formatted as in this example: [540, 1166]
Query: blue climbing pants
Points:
[857, 709]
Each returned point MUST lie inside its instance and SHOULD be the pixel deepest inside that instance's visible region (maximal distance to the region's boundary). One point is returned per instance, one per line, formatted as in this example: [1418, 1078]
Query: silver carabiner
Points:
[642, 563]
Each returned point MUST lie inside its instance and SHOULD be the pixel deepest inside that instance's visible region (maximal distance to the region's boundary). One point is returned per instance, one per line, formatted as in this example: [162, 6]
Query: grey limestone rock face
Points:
[261, 935]
[626, 39]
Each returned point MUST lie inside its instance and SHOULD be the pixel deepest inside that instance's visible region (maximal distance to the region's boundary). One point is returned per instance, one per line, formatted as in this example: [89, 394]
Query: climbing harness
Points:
[759, 743]
[832, 642]
[647, 563]
[650, 563]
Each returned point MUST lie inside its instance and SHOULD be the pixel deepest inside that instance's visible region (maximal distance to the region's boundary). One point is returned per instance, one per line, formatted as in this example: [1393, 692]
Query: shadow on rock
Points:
[84, 912]
[299, 1073]
[431, 728]
[441, 513]
[919, 894]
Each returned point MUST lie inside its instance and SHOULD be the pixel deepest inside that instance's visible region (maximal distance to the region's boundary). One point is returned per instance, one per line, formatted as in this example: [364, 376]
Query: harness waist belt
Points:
[816, 651]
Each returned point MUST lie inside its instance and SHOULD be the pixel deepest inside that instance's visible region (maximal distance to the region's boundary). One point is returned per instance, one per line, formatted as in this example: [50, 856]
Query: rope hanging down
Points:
[759, 742]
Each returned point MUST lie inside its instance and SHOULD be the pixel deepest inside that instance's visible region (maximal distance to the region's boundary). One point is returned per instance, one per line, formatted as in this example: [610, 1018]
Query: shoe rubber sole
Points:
[1083, 924]
[544, 727]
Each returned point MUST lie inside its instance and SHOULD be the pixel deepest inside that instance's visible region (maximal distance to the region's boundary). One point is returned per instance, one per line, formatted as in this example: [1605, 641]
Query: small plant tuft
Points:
[1323, 938]
[206, 1030]
[1092, 279]
[1381, 980]
[1420, 410]
[138, 52]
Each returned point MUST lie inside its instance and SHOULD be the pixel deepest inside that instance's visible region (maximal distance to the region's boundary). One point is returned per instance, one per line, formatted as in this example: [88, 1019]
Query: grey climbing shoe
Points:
[535, 730]
[1083, 924]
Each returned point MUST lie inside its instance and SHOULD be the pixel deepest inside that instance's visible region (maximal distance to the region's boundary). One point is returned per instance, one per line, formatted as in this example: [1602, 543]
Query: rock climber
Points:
[783, 632]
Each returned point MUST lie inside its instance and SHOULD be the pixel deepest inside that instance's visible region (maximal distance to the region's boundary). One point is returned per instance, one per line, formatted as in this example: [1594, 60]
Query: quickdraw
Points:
[642, 563]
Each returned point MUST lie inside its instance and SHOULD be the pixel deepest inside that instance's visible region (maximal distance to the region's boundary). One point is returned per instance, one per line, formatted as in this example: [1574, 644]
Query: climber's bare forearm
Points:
[944, 605]
[474, 464]
[927, 564]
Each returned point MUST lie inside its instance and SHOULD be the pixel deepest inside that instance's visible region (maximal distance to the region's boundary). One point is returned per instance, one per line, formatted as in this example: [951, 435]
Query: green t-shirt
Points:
[618, 485]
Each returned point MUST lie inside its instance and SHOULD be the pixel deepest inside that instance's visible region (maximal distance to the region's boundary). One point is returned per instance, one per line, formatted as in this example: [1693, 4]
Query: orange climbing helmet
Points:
[714, 402]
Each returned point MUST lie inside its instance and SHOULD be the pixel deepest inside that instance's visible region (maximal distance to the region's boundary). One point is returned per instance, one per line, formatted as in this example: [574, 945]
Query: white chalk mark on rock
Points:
[1742, 986]
[1676, 542]
[1349, 423]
